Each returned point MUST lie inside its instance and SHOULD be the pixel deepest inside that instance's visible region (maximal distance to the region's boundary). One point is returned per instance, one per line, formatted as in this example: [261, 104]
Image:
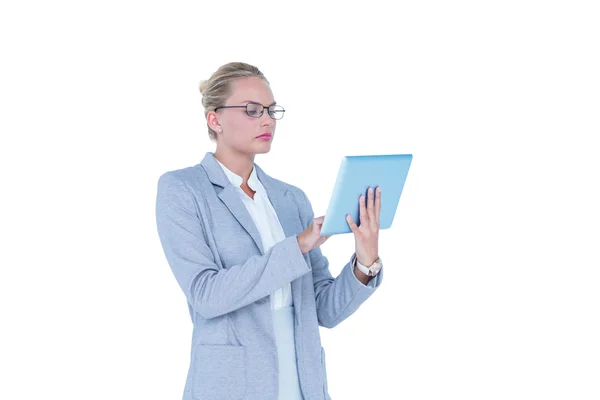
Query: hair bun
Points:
[203, 84]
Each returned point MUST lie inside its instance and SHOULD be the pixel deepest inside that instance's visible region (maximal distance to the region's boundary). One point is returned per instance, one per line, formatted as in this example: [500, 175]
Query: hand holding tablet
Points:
[367, 234]
[355, 176]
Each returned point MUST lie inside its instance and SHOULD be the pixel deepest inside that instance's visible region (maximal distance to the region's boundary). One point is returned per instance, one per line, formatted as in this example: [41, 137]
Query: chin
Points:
[263, 148]
[264, 151]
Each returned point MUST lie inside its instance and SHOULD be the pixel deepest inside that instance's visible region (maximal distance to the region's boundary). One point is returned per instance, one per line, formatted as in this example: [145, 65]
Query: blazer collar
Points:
[277, 192]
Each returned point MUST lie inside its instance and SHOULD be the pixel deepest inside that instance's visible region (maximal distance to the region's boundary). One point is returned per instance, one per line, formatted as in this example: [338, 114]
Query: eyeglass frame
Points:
[261, 111]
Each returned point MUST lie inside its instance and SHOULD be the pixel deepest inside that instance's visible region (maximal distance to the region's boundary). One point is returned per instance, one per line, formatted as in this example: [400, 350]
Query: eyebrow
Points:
[252, 101]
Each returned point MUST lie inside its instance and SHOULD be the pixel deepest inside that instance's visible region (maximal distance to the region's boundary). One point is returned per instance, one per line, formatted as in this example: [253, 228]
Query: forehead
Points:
[251, 88]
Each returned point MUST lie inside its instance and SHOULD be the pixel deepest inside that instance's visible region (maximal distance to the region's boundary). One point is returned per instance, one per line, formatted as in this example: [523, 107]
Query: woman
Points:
[244, 248]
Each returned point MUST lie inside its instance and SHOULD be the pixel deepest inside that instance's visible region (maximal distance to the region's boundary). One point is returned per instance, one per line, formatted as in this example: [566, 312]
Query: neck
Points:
[238, 163]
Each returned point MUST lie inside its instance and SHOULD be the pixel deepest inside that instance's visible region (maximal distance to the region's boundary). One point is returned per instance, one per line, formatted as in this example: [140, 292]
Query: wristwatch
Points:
[371, 270]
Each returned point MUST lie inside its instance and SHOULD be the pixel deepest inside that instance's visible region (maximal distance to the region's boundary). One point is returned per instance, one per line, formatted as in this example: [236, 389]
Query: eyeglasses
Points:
[256, 110]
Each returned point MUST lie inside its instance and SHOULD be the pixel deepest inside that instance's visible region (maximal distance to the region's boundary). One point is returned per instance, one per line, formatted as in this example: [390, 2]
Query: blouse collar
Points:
[237, 180]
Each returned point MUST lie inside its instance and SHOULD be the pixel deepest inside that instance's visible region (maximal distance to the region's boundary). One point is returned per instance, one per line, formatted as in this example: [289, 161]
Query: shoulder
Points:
[191, 179]
[190, 176]
[294, 191]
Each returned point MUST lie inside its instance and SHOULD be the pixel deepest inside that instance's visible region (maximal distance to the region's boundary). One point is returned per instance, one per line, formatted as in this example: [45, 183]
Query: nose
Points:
[266, 119]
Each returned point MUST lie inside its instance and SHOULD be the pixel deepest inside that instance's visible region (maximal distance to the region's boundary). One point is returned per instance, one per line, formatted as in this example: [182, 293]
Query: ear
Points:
[213, 121]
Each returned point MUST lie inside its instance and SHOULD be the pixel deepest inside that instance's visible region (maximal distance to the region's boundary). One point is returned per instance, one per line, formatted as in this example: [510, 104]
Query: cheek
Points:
[243, 129]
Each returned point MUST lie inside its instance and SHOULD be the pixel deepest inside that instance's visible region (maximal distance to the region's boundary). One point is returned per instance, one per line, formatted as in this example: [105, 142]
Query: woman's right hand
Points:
[311, 237]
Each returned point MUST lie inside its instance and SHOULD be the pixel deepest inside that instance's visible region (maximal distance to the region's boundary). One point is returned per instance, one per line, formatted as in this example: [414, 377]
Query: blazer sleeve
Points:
[213, 291]
[337, 298]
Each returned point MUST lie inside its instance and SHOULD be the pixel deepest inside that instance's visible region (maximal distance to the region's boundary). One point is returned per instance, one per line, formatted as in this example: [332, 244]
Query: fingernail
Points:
[370, 189]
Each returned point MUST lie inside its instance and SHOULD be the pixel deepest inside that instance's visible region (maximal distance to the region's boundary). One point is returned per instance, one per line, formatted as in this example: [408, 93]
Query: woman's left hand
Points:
[366, 236]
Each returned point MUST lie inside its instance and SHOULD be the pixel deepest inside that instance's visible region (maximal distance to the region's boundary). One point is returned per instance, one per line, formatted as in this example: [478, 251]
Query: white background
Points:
[491, 287]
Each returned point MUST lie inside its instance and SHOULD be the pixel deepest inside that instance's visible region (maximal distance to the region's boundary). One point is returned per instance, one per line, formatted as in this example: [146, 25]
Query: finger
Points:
[351, 223]
[317, 223]
[316, 227]
[371, 205]
[377, 206]
[363, 211]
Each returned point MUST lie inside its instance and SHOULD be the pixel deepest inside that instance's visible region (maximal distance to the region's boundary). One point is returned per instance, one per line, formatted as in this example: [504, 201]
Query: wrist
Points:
[301, 245]
[360, 275]
[370, 269]
[367, 261]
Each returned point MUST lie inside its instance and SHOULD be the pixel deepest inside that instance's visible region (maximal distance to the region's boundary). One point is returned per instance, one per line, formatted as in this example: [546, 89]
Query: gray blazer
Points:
[214, 250]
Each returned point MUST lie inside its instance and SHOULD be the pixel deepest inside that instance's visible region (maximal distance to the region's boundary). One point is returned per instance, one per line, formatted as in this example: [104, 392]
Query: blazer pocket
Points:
[219, 372]
[324, 368]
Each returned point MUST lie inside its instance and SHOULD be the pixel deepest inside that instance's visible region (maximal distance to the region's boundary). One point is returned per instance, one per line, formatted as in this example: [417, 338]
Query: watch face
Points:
[375, 269]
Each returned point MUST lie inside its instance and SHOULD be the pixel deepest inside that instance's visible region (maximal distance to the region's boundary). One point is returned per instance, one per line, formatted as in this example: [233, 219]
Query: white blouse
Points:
[265, 218]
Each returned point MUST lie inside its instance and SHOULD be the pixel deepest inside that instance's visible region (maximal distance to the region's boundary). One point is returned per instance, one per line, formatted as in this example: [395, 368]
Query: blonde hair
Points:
[217, 89]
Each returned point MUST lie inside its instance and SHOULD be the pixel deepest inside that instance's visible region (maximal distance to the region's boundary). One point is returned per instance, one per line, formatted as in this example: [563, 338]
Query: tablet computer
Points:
[356, 174]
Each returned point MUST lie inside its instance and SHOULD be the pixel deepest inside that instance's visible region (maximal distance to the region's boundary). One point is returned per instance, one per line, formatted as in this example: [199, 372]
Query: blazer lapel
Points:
[285, 207]
[231, 198]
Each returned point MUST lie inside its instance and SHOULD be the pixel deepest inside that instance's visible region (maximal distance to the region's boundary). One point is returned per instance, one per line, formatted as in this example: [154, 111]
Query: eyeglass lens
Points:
[256, 110]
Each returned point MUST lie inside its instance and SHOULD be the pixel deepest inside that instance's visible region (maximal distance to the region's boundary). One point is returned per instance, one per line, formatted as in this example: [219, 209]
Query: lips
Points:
[265, 135]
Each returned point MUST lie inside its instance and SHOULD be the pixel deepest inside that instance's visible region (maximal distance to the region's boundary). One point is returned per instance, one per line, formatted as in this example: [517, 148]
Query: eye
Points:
[253, 112]
[253, 109]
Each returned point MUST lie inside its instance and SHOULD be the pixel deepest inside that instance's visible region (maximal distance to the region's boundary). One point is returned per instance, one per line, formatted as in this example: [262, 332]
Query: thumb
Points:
[316, 224]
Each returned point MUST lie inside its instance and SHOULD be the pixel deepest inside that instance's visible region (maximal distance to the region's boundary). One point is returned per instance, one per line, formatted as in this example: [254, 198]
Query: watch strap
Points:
[363, 268]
